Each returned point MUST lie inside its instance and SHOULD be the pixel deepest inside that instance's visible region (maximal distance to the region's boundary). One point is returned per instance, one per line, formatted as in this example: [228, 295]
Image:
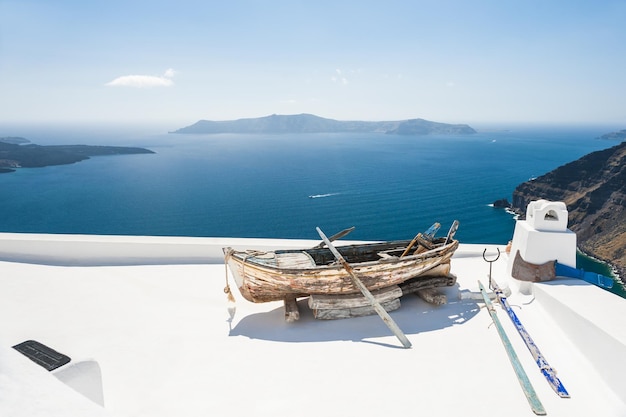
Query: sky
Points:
[463, 61]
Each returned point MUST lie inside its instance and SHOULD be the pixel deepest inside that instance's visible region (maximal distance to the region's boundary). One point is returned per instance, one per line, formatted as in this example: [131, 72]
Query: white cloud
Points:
[345, 76]
[339, 78]
[144, 81]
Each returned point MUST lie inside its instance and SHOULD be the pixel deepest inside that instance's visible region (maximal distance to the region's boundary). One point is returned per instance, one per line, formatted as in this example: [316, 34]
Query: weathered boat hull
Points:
[274, 276]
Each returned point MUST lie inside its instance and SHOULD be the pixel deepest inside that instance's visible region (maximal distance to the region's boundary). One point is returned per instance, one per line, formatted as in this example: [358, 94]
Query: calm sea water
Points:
[389, 187]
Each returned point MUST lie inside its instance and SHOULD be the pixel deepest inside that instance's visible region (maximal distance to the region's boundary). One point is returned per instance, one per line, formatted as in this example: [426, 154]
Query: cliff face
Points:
[594, 190]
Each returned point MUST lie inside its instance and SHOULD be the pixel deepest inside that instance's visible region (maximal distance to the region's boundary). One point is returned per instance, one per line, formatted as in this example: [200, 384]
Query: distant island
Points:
[309, 123]
[619, 135]
[15, 154]
[14, 139]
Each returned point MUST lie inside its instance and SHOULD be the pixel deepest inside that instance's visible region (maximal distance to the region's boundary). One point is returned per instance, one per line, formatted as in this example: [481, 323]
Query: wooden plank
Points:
[416, 284]
[295, 260]
[432, 296]
[441, 270]
[424, 242]
[386, 318]
[452, 231]
[317, 301]
[345, 313]
[430, 234]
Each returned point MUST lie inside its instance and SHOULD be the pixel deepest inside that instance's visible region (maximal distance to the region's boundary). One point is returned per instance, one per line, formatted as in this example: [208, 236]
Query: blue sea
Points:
[283, 186]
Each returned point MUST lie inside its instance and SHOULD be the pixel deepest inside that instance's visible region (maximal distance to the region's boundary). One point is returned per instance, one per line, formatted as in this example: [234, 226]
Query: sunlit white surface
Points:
[154, 317]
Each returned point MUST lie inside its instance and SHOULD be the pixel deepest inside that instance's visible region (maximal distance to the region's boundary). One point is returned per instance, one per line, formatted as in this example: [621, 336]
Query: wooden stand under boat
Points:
[330, 307]
[292, 313]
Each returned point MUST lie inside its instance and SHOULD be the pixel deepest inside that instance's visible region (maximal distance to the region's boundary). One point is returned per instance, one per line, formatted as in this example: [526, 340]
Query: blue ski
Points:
[543, 365]
[527, 387]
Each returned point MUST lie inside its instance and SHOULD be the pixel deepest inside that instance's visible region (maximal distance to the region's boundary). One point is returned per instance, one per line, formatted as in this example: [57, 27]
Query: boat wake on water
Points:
[323, 195]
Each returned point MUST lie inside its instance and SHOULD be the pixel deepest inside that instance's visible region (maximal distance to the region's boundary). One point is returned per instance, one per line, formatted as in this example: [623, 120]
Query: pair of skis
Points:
[548, 372]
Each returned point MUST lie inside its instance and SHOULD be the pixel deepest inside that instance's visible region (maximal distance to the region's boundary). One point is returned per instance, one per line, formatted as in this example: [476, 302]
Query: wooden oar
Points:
[368, 295]
[334, 237]
[452, 231]
[429, 234]
[408, 248]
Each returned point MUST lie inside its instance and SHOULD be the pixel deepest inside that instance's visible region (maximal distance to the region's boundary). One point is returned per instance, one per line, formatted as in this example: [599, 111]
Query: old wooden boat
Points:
[263, 276]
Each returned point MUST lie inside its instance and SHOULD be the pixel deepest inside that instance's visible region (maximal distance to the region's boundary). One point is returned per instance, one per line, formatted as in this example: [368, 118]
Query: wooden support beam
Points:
[416, 284]
[346, 313]
[292, 313]
[326, 302]
[432, 296]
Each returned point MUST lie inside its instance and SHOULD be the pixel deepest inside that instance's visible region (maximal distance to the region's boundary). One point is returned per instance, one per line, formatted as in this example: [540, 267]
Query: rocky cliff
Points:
[594, 190]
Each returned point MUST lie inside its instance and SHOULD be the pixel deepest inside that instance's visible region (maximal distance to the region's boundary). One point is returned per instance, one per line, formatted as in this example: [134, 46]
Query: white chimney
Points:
[544, 235]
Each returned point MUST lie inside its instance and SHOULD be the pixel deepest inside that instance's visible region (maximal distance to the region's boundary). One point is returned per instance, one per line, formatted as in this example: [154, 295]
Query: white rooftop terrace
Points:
[145, 322]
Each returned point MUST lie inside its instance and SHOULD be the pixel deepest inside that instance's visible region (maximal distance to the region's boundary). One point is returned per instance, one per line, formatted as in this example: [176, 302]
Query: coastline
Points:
[16, 155]
[119, 189]
[614, 269]
[590, 263]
